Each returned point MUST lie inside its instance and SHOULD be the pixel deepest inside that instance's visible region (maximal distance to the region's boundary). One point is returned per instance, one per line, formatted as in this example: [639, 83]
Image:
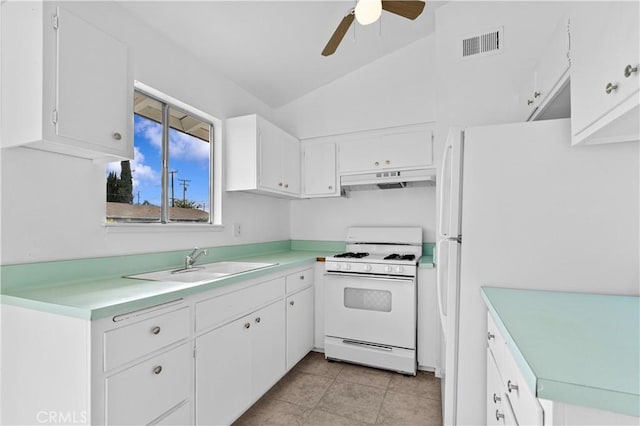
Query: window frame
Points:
[215, 166]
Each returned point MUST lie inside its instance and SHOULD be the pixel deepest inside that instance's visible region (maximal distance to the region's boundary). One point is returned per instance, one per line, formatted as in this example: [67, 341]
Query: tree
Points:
[112, 187]
[126, 183]
[120, 189]
[186, 204]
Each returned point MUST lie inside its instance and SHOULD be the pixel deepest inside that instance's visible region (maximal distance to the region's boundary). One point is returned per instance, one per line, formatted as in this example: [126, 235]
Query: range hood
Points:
[389, 179]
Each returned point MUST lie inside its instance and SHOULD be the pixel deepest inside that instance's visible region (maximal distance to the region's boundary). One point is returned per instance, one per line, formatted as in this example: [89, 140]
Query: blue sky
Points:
[188, 155]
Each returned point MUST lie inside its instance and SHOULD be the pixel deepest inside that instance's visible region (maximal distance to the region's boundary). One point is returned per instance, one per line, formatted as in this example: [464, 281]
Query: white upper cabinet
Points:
[402, 148]
[319, 174]
[66, 84]
[604, 73]
[543, 87]
[261, 157]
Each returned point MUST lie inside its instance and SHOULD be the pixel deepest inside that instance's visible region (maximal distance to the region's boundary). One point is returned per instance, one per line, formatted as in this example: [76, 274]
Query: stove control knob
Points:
[367, 268]
[347, 267]
[337, 265]
[399, 269]
[388, 268]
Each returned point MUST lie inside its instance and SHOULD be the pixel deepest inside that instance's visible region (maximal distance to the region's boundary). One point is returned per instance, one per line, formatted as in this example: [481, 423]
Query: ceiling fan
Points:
[367, 12]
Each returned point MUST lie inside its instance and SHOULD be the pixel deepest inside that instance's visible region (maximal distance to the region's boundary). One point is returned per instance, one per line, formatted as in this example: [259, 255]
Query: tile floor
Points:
[318, 392]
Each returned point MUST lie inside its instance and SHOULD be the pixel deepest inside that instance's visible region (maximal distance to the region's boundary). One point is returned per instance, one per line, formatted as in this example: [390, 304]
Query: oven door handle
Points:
[369, 277]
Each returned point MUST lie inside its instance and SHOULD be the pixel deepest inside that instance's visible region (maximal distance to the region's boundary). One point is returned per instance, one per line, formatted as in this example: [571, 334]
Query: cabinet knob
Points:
[387, 162]
[511, 386]
[376, 163]
[490, 336]
[157, 369]
[292, 303]
[302, 277]
[610, 88]
[499, 415]
[628, 70]
[117, 136]
[496, 398]
[258, 319]
[286, 185]
[536, 94]
[529, 101]
[247, 325]
[330, 187]
[155, 330]
[279, 183]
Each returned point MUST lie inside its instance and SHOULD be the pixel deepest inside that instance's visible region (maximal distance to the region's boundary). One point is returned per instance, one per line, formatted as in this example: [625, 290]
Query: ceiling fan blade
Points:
[407, 9]
[338, 34]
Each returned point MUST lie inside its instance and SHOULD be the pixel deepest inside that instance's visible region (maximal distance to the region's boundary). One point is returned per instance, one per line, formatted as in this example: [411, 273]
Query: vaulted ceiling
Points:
[272, 48]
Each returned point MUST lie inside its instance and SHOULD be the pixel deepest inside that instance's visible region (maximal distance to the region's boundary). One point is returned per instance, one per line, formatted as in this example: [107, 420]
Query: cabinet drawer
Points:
[228, 306]
[299, 280]
[525, 405]
[133, 341]
[179, 417]
[495, 341]
[145, 391]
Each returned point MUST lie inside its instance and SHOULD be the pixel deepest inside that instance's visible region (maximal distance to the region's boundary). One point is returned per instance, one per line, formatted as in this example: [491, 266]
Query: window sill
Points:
[144, 228]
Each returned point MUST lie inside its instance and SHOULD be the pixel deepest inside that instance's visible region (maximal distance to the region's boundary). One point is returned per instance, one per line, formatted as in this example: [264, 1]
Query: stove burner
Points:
[352, 255]
[396, 256]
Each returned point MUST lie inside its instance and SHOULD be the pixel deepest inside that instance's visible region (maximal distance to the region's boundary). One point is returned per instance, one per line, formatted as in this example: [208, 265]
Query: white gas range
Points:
[370, 298]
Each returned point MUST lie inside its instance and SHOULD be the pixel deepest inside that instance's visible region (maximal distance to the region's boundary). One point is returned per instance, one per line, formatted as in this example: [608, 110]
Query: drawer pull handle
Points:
[258, 319]
[292, 303]
[610, 88]
[117, 136]
[499, 415]
[155, 330]
[157, 370]
[247, 325]
[628, 70]
[496, 398]
[529, 101]
[511, 386]
[490, 336]
[302, 277]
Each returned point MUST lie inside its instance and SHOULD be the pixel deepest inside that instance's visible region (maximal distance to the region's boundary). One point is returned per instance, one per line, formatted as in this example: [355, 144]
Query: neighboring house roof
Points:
[149, 213]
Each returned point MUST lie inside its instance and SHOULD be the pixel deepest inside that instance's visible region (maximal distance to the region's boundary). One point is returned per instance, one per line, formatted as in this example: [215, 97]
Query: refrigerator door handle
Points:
[448, 149]
[439, 268]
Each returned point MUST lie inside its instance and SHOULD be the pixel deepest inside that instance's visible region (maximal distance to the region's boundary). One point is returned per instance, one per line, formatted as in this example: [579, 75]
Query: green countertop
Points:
[576, 348]
[95, 288]
[100, 298]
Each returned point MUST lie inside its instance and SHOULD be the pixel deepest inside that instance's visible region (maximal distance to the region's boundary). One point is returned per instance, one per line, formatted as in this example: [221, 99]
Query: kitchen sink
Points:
[202, 273]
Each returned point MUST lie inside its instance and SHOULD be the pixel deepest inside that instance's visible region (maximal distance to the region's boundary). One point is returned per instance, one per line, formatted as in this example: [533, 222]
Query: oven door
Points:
[369, 308]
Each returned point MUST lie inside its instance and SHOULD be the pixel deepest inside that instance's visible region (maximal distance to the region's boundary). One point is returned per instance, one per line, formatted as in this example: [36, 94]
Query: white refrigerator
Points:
[521, 208]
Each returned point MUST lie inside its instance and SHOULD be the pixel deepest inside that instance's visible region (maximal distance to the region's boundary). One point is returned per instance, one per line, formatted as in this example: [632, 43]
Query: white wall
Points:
[53, 206]
[395, 90]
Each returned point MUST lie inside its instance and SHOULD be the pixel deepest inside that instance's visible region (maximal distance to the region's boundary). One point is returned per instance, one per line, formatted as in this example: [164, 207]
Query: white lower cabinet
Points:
[299, 326]
[144, 392]
[204, 358]
[237, 363]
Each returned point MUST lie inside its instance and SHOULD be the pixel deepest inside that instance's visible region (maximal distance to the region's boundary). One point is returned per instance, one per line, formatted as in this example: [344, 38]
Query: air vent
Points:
[488, 43]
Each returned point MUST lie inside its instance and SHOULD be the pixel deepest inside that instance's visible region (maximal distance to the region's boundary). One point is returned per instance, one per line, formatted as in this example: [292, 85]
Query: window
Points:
[170, 179]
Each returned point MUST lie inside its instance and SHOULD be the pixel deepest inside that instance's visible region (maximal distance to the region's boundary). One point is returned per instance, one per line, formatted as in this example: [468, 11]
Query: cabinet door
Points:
[145, 391]
[268, 347]
[604, 40]
[291, 164]
[319, 169]
[223, 373]
[299, 326]
[270, 146]
[401, 150]
[553, 66]
[494, 392]
[93, 93]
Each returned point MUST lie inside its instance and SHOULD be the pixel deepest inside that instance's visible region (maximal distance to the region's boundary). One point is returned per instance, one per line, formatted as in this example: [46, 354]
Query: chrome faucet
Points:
[192, 257]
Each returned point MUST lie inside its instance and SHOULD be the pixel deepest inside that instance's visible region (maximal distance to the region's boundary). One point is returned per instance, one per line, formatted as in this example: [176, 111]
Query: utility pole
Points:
[185, 184]
[138, 197]
[173, 199]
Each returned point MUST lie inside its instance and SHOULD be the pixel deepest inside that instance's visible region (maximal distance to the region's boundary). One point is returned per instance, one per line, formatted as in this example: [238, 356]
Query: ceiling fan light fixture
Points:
[368, 11]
